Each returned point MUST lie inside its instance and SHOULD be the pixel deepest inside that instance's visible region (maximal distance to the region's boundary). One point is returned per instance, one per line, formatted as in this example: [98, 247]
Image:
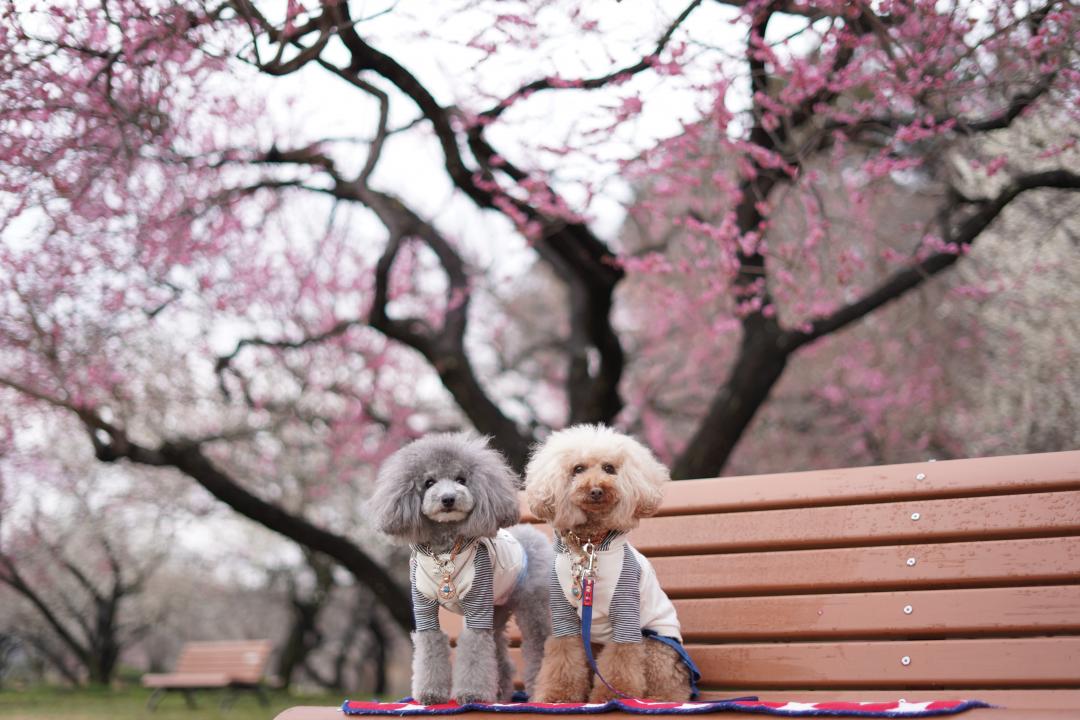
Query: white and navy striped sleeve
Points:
[625, 612]
[479, 605]
[425, 609]
[564, 618]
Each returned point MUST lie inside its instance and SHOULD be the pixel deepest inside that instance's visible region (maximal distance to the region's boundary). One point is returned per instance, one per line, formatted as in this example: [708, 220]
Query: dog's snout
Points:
[447, 501]
[596, 494]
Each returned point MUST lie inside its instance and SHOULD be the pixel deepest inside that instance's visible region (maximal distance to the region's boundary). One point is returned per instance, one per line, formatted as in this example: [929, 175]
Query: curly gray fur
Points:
[431, 667]
[448, 486]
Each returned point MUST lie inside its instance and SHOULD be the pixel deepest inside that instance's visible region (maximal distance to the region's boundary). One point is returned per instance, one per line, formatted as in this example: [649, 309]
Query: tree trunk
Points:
[759, 365]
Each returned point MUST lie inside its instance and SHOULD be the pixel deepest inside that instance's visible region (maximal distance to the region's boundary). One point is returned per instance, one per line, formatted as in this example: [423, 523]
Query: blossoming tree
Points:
[266, 299]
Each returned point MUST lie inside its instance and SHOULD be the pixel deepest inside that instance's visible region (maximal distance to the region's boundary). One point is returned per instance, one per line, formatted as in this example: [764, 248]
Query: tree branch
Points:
[12, 578]
[902, 281]
[597, 82]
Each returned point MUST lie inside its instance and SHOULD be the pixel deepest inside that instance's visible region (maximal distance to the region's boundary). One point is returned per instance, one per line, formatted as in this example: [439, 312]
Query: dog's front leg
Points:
[431, 667]
[564, 674]
[476, 671]
[622, 665]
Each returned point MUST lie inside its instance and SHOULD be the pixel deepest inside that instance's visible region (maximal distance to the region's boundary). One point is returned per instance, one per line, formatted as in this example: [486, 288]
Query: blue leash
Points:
[586, 632]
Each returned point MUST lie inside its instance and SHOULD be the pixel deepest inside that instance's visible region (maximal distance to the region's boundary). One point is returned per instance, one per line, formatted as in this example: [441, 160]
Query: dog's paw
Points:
[432, 697]
[466, 696]
[601, 694]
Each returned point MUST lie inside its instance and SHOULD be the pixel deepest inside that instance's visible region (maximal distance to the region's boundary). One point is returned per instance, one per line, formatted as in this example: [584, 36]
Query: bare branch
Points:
[919, 272]
[597, 82]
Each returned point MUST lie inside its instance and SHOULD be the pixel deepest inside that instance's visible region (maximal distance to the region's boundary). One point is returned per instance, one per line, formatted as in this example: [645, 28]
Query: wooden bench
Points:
[232, 666]
[954, 579]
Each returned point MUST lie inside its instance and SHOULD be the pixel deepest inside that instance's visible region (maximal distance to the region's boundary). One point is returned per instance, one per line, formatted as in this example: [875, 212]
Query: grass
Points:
[43, 703]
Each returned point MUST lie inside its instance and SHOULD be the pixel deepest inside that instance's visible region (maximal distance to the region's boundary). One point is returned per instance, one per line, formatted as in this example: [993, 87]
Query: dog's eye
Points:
[609, 468]
[428, 482]
[578, 469]
[459, 480]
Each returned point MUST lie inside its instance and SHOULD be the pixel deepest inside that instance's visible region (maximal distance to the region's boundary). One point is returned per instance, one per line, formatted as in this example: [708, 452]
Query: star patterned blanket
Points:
[888, 709]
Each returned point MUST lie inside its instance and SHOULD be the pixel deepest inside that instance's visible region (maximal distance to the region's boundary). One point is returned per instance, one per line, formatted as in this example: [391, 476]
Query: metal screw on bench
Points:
[920, 476]
[911, 562]
[908, 609]
[915, 516]
[905, 660]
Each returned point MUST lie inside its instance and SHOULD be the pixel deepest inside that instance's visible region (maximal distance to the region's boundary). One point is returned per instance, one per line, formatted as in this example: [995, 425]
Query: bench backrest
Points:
[244, 661]
[960, 574]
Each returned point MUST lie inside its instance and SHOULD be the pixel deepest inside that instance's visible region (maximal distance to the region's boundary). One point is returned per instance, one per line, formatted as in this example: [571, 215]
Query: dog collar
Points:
[569, 542]
[444, 563]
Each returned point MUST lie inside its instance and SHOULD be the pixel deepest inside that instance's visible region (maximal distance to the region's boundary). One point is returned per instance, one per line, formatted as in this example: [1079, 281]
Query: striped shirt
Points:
[485, 574]
[626, 595]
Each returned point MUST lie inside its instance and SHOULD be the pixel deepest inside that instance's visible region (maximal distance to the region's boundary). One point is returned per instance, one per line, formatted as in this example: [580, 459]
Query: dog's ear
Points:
[644, 476]
[395, 504]
[544, 478]
[494, 486]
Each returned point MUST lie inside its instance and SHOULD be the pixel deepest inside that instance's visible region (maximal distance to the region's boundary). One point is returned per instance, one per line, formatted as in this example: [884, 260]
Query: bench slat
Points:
[1032, 699]
[845, 486]
[186, 680]
[1011, 562]
[933, 613]
[1000, 663]
[946, 478]
[986, 518]
[991, 663]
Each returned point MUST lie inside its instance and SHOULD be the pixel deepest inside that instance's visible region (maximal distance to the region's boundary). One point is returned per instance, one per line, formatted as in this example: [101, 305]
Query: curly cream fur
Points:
[549, 475]
[559, 495]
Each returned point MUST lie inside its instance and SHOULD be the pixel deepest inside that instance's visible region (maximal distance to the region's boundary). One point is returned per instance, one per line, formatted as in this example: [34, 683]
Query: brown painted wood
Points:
[947, 478]
[966, 564]
[999, 517]
[240, 661]
[991, 663]
[186, 680]
[933, 614]
[1016, 699]
[845, 486]
[1049, 662]
[925, 614]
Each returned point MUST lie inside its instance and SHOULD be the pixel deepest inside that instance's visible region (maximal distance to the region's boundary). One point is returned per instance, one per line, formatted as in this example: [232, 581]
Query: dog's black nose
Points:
[596, 494]
[448, 501]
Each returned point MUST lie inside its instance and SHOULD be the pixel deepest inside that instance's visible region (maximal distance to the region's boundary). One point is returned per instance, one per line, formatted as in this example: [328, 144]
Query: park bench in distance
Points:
[233, 666]
[934, 580]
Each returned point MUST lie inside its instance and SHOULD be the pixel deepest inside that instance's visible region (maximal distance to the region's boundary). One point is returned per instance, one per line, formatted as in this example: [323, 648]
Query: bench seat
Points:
[186, 680]
[230, 665]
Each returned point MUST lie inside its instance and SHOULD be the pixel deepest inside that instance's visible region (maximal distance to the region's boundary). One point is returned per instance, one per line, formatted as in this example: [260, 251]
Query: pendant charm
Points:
[447, 591]
[576, 591]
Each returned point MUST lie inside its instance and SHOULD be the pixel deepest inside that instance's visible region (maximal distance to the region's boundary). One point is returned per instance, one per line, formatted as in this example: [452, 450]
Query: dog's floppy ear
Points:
[395, 504]
[644, 475]
[544, 477]
[494, 486]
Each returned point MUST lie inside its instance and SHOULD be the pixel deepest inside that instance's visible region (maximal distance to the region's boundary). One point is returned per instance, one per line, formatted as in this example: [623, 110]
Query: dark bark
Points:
[764, 352]
[304, 636]
[377, 654]
[92, 640]
[759, 365]
[192, 462]
[112, 444]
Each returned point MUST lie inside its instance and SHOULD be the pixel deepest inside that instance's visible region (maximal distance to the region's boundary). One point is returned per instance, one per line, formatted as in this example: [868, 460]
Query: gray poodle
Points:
[450, 496]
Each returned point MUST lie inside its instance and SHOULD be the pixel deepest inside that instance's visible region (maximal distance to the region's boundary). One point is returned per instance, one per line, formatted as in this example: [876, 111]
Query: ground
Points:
[130, 704]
